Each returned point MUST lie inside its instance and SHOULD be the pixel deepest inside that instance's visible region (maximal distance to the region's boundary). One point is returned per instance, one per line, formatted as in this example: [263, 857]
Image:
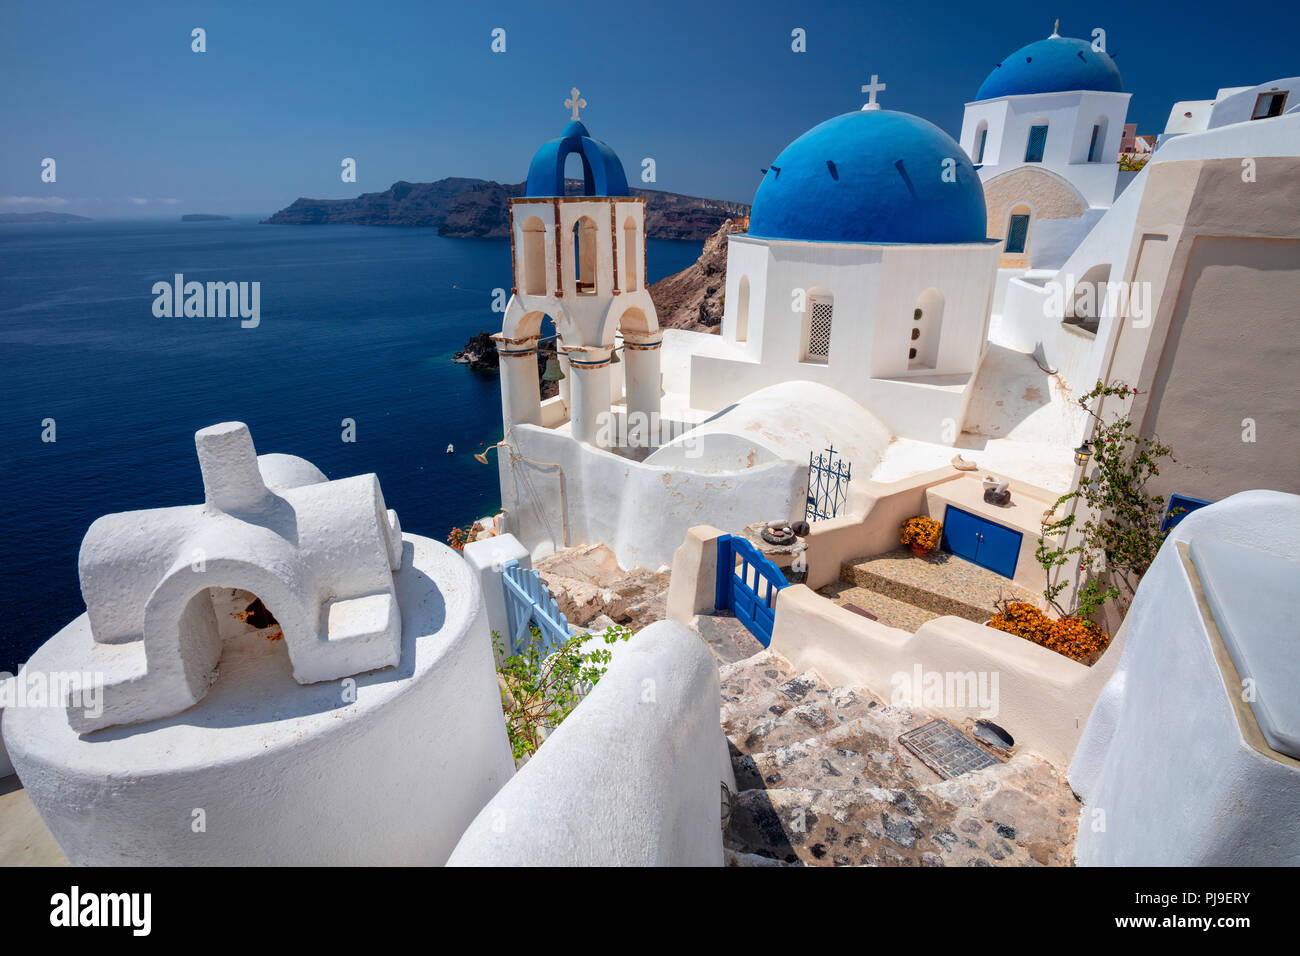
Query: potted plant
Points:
[922, 533]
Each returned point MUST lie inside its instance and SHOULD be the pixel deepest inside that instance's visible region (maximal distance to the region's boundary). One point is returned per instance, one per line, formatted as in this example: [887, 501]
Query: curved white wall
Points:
[285, 773]
[633, 777]
[1166, 776]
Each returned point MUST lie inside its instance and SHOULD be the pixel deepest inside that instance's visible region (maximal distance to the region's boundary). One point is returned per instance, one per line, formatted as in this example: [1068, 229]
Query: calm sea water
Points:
[356, 322]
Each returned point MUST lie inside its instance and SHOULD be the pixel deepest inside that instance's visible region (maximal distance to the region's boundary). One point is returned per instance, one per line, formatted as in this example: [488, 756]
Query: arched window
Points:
[742, 310]
[534, 257]
[981, 140]
[1017, 231]
[927, 324]
[1037, 143]
[630, 258]
[819, 310]
[584, 256]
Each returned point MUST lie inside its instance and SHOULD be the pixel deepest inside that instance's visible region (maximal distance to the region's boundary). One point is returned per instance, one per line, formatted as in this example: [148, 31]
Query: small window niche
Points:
[534, 257]
[819, 312]
[584, 256]
[927, 326]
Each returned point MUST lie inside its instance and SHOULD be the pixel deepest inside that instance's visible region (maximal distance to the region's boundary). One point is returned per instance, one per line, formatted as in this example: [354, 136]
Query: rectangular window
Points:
[979, 145]
[1037, 142]
[1269, 104]
[1094, 145]
[1187, 506]
[819, 330]
[1017, 234]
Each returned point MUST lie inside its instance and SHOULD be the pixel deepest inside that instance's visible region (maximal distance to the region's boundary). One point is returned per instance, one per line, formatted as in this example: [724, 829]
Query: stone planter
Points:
[920, 551]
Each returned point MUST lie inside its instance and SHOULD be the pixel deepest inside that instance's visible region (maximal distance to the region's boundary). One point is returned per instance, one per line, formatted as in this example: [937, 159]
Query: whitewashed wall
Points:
[1162, 755]
[572, 493]
[633, 777]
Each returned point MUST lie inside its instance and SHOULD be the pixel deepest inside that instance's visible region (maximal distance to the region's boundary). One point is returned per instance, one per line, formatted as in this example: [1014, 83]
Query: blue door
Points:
[980, 541]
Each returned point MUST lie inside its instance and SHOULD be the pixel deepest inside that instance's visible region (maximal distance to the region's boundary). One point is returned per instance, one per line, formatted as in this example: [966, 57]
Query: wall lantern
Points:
[1083, 453]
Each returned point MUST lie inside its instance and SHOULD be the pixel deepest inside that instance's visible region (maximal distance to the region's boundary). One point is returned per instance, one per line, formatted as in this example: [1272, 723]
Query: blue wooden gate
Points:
[747, 585]
[529, 601]
[980, 541]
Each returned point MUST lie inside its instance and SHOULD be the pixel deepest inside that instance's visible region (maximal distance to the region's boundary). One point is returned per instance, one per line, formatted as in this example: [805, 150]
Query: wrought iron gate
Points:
[747, 585]
[828, 485]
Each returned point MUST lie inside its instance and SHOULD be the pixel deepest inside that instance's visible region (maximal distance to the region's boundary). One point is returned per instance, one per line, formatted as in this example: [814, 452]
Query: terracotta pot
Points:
[921, 552]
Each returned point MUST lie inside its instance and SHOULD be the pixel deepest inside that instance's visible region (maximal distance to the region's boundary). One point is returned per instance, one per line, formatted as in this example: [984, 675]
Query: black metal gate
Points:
[828, 484]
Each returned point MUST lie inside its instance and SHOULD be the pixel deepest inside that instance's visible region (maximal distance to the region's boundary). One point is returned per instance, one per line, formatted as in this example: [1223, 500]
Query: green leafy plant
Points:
[1120, 531]
[541, 686]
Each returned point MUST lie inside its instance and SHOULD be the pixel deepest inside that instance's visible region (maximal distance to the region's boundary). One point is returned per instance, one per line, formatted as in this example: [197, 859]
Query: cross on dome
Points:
[871, 89]
[1056, 29]
[575, 102]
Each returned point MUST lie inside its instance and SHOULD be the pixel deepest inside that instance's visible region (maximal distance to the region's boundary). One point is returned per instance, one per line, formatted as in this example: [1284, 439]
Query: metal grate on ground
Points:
[946, 750]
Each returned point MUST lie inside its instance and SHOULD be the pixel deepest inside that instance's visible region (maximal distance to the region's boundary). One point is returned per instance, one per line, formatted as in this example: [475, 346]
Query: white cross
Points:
[575, 102]
[871, 89]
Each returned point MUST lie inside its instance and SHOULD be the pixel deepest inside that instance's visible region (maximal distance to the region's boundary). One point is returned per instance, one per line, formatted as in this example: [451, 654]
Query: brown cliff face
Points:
[479, 209]
[693, 298]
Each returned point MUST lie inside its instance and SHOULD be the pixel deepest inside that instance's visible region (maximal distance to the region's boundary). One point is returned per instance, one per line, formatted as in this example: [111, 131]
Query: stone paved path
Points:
[822, 780]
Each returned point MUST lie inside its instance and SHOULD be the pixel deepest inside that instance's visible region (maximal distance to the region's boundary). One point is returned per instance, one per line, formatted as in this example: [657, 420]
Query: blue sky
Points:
[141, 126]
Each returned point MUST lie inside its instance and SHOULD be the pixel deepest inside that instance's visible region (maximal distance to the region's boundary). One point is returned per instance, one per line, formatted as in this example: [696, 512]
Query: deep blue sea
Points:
[356, 322]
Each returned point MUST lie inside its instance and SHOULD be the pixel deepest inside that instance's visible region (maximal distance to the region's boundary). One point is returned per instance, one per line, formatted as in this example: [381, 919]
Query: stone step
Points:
[888, 611]
[940, 583]
[753, 675]
[1015, 814]
[726, 636]
[857, 754]
[821, 711]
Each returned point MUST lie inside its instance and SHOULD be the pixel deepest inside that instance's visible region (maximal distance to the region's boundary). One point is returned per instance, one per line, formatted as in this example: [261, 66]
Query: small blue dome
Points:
[1054, 65]
[872, 176]
[602, 173]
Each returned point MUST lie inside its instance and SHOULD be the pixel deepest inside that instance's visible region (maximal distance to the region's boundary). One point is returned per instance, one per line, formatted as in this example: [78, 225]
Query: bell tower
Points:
[579, 259]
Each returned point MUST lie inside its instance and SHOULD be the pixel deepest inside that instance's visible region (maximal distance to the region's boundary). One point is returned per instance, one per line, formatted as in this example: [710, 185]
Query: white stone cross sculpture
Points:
[575, 102]
[161, 586]
[871, 89]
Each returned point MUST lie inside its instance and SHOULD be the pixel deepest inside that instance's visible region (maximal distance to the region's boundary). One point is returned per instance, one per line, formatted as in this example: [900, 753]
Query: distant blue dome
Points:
[1054, 65]
[871, 176]
[602, 173]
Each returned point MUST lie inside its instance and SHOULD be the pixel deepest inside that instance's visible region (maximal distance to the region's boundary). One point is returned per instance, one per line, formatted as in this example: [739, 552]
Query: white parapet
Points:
[384, 768]
[487, 558]
[633, 777]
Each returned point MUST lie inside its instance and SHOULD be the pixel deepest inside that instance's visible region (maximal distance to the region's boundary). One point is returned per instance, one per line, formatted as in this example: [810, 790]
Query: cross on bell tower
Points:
[871, 89]
[575, 102]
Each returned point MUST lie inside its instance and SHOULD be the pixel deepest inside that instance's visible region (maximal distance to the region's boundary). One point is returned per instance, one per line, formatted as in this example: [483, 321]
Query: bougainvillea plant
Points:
[460, 537]
[1116, 537]
[921, 531]
[540, 686]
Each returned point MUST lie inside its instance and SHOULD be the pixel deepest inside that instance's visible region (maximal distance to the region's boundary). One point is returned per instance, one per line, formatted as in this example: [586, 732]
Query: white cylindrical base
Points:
[385, 768]
[642, 365]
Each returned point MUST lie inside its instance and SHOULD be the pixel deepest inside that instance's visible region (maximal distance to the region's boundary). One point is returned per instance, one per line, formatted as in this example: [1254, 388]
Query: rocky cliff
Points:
[693, 298]
[477, 208]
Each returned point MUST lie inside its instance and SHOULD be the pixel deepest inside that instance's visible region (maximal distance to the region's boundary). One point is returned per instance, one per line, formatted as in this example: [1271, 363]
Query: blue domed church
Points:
[866, 269]
[1044, 132]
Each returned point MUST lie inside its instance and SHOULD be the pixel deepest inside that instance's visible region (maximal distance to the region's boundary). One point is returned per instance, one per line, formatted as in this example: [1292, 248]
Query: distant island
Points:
[478, 208]
[203, 217]
[41, 217]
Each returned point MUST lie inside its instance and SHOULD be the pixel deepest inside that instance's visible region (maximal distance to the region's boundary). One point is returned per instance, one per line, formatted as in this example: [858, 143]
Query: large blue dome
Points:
[872, 176]
[1055, 65]
[602, 173]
